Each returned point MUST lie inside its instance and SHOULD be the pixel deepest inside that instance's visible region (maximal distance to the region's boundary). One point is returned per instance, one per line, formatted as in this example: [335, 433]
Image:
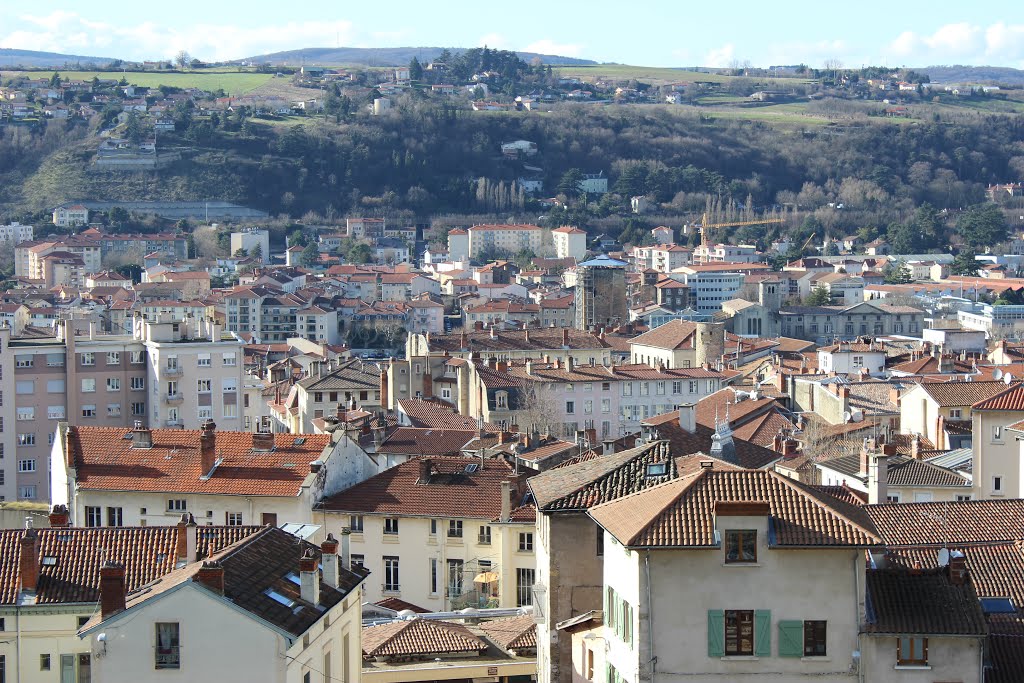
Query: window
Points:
[391, 574]
[55, 386]
[203, 360]
[230, 410]
[93, 516]
[138, 383]
[114, 517]
[739, 633]
[113, 410]
[176, 505]
[740, 545]
[911, 652]
[963, 496]
[27, 465]
[691, 386]
[229, 384]
[138, 357]
[954, 413]
[997, 484]
[997, 433]
[55, 412]
[168, 655]
[358, 561]
[233, 518]
[88, 385]
[203, 386]
[88, 358]
[229, 360]
[600, 541]
[484, 537]
[24, 361]
[455, 578]
[204, 414]
[390, 525]
[524, 586]
[44, 662]
[657, 469]
[26, 413]
[27, 439]
[526, 542]
[570, 407]
[26, 492]
[88, 411]
[606, 405]
[355, 523]
[138, 409]
[814, 638]
[25, 386]
[454, 528]
[113, 358]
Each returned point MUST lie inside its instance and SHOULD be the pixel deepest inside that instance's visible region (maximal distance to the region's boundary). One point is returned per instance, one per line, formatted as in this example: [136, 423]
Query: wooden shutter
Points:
[791, 635]
[716, 633]
[762, 633]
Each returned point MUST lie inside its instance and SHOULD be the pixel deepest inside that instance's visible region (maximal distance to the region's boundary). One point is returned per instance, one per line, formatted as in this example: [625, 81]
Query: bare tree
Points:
[536, 410]
[182, 59]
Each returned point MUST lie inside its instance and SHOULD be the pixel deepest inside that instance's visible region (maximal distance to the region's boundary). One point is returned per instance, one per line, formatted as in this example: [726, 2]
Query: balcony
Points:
[176, 422]
[173, 399]
[172, 371]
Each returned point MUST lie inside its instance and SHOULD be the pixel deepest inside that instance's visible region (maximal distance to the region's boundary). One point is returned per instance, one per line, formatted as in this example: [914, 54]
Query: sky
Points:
[671, 33]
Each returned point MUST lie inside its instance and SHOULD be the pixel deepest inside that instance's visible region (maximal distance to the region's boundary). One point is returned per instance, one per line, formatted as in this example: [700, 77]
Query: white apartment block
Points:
[15, 232]
[251, 239]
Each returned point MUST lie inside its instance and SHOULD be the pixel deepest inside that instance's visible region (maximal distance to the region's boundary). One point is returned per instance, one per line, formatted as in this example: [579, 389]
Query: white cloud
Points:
[62, 31]
[961, 42]
[721, 56]
[955, 39]
[550, 47]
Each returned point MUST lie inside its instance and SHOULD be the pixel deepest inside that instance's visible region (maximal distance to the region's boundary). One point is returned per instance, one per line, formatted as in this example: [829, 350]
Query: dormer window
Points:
[740, 545]
[657, 469]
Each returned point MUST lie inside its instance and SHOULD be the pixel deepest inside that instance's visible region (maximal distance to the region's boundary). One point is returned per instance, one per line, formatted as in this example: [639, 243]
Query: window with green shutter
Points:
[791, 637]
[762, 633]
[716, 633]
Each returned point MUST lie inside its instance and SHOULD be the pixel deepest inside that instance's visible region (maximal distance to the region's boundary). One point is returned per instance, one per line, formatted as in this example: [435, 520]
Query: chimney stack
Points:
[207, 448]
[565, 337]
[687, 418]
[426, 465]
[29, 564]
[957, 569]
[329, 560]
[506, 501]
[878, 478]
[112, 590]
[59, 517]
[211, 575]
[570, 364]
[866, 449]
[188, 539]
[608, 447]
[263, 441]
[383, 389]
[346, 549]
[309, 578]
[141, 437]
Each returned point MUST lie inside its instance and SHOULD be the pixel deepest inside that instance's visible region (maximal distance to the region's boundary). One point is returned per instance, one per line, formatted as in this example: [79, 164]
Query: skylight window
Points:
[49, 561]
[471, 468]
[997, 605]
[278, 598]
[294, 578]
[657, 469]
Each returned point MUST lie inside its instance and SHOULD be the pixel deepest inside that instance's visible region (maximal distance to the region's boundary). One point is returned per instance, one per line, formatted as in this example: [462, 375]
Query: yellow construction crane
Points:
[705, 226]
[807, 242]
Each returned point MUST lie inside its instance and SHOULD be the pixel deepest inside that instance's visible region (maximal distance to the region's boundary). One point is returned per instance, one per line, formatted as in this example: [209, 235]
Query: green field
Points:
[653, 75]
[231, 82]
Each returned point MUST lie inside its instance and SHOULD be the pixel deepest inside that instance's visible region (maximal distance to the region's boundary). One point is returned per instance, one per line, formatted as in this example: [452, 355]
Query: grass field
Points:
[232, 82]
[653, 75]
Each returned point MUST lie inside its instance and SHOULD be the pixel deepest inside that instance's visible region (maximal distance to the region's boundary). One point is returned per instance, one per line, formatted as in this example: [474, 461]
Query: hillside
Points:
[381, 56]
[10, 58]
[975, 74]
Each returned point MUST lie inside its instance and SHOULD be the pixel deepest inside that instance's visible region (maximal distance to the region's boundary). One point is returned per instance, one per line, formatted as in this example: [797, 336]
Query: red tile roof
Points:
[457, 487]
[949, 524]
[901, 602]
[419, 638]
[1012, 398]
[512, 633]
[105, 460]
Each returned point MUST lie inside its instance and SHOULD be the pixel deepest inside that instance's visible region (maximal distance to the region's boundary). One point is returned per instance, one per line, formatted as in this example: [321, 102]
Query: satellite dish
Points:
[1008, 378]
[997, 374]
[857, 415]
[847, 416]
[943, 557]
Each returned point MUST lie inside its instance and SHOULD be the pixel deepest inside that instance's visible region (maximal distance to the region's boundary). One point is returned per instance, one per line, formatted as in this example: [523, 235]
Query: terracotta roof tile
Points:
[428, 441]
[512, 633]
[73, 575]
[952, 524]
[926, 603]
[419, 637]
[961, 393]
[675, 334]
[903, 471]
[681, 513]
[399, 605]
[1012, 398]
[453, 490]
[105, 460]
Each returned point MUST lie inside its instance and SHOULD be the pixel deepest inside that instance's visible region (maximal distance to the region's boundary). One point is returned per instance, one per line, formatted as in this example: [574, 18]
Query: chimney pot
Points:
[309, 577]
[112, 589]
[329, 560]
[141, 437]
[60, 517]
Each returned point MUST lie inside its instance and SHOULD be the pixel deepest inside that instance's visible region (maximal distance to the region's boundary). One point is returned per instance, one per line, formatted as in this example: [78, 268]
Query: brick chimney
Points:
[59, 517]
[478, 326]
[565, 337]
[141, 437]
[29, 561]
[426, 467]
[464, 341]
[915, 447]
[262, 441]
[207, 448]
[329, 560]
[428, 381]
[309, 578]
[383, 389]
[866, 449]
[957, 569]
[187, 539]
[894, 396]
[112, 590]
[211, 575]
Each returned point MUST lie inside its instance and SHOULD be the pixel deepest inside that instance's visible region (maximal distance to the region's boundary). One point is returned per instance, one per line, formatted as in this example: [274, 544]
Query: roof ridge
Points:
[684, 484]
[798, 486]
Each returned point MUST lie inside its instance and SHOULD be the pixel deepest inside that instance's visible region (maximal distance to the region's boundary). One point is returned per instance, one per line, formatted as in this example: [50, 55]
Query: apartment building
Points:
[191, 358]
[352, 384]
[268, 314]
[30, 264]
[8, 416]
[441, 533]
[15, 233]
[496, 239]
[570, 241]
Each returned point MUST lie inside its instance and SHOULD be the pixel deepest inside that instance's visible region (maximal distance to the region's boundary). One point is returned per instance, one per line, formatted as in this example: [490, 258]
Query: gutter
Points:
[653, 661]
